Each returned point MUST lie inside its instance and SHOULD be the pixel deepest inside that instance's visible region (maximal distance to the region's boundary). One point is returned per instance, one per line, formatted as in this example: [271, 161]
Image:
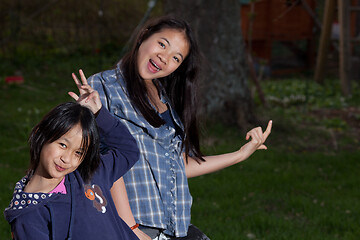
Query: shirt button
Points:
[166, 154]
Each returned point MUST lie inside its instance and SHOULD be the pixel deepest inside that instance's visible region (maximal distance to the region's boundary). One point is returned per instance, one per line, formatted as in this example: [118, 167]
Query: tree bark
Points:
[224, 92]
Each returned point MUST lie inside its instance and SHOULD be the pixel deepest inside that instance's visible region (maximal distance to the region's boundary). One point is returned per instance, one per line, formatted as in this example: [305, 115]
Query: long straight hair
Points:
[180, 86]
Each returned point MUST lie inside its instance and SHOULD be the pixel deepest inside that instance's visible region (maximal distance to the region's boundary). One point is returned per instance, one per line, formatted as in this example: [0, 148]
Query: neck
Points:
[154, 97]
[39, 183]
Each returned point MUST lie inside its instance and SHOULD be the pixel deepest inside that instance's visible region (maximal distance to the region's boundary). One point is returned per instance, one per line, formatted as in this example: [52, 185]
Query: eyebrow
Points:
[166, 40]
[65, 139]
[182, 57]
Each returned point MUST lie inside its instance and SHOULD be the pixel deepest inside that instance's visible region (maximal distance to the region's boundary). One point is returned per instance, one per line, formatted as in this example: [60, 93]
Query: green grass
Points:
[277, 195]
[305, 186]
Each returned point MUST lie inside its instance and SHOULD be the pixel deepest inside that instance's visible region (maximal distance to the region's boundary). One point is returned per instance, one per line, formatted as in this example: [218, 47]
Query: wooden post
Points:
[328, 17]
[344, 46]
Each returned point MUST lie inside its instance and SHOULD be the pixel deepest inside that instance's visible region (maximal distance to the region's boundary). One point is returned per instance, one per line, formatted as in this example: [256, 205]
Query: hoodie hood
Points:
[23, 202]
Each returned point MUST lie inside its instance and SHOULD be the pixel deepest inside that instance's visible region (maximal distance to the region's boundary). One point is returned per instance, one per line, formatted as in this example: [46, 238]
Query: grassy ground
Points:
[279, 195]
[304, 187]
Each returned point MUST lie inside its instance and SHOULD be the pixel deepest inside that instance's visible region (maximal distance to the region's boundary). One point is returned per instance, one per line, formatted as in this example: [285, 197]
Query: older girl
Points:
[152, 90]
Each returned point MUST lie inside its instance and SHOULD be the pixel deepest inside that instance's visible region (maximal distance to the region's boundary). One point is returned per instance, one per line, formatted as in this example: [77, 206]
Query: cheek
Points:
[173, 68]
[141, 61]
[143, 51]
[75, 165]
[47, 152]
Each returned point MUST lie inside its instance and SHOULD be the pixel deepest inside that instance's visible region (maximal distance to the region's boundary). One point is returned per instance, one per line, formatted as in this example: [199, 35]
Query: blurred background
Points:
[293, 61]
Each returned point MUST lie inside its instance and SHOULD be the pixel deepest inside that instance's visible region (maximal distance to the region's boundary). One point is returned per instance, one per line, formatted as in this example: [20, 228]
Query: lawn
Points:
[305, 186]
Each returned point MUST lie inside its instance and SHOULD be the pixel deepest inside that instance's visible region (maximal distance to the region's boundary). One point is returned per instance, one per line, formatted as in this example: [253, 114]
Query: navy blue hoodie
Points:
[87, 211]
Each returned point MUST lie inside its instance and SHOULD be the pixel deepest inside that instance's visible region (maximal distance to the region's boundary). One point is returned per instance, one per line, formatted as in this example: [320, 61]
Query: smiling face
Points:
[62, 156]
[162, 53]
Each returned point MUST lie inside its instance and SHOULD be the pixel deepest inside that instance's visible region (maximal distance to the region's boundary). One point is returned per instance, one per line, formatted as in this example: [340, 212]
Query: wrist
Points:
[134, 226]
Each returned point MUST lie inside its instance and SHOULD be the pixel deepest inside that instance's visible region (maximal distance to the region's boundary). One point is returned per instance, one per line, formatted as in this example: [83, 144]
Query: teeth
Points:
[153, 63]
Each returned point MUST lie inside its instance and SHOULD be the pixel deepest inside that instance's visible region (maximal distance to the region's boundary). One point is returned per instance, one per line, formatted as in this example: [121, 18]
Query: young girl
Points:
[152, 91]
[66, 193]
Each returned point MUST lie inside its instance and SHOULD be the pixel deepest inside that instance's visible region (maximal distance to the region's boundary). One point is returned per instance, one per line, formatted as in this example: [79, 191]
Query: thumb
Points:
[73, 95]
[262, 147]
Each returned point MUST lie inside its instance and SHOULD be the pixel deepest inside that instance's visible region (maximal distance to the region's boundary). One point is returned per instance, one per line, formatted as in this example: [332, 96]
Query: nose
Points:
[65, 157]
[163, 57]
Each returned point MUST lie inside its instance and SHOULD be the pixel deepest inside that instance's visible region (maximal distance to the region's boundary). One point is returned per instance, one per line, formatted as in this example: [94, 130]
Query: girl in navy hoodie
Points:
[66, 193]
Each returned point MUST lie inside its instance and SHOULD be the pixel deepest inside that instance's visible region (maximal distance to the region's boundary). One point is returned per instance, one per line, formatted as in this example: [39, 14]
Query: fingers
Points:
[92, 96]
[262, 147]
[247, 136]
[88, 92]
[268, 129]
[258, 137]
[76, 80]
[74, 95]
[83, 78]
[87, 87]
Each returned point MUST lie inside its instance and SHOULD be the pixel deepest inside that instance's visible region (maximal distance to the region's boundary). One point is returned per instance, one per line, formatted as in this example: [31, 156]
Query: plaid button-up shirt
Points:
[156, 185]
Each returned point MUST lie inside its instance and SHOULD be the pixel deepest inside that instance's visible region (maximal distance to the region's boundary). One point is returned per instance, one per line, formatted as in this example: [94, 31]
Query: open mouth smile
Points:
[157, 68]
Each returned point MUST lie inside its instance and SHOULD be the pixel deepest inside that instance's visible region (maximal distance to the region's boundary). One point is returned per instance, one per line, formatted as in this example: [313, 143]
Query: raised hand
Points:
[88, 97]
[217, 162]
[257, 139]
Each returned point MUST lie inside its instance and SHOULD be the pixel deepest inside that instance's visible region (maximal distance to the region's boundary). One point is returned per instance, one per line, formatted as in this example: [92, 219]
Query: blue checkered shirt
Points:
[156, 185]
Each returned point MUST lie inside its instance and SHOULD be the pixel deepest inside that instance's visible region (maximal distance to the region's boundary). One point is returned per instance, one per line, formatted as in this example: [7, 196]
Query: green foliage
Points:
[306, 92]
[310, 116]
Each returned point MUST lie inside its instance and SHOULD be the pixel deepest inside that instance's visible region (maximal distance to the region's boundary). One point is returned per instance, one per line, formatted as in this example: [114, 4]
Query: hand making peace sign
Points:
[88, 97]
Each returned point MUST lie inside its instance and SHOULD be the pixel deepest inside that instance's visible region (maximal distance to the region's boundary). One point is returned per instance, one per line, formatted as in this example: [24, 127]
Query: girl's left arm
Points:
[217, 162]
[122, 145]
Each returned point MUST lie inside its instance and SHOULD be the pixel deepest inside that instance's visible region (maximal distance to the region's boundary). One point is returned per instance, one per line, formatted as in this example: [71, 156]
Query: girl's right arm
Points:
[120, 197]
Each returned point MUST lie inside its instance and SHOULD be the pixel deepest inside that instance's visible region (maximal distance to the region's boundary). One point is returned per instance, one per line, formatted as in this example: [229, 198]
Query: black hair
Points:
[58, 122]
[180, 86]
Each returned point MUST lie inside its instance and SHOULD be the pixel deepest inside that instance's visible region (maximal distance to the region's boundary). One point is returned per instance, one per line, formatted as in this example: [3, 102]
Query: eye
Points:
[62, 145]
[162, 45]
[78, 153]
[176, 59]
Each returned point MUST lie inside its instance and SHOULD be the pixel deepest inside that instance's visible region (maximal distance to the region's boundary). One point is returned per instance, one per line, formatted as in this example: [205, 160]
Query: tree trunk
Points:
[224, 92]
